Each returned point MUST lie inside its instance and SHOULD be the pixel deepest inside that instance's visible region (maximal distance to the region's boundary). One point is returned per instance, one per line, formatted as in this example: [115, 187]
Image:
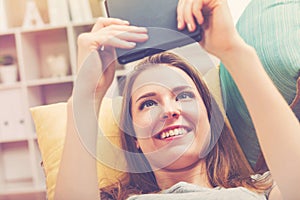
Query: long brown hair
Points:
[226, 164]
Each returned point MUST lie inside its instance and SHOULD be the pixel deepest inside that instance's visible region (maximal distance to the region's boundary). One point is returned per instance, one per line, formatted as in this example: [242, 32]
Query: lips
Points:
[172, 132]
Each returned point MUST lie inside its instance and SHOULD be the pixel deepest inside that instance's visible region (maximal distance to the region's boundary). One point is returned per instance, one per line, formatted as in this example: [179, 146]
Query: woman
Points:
[166, 100]
[177, 131]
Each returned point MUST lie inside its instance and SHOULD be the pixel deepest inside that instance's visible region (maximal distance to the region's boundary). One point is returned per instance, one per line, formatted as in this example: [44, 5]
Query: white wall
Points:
[196, 55]
[237, 7]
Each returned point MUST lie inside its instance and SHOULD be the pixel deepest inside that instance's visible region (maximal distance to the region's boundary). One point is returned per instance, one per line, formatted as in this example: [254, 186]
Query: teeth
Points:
[171, 133]
[176, 132]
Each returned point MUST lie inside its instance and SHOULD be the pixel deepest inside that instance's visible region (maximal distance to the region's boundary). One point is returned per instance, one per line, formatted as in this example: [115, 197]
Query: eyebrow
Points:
[174, 90]
[150, 94]
[180, 88]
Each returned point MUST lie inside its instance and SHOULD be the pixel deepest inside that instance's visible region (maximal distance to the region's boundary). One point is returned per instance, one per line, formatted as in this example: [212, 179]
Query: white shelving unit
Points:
[21, 173]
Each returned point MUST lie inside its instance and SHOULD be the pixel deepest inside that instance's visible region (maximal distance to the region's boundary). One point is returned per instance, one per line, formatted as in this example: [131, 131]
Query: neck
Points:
[195, 174]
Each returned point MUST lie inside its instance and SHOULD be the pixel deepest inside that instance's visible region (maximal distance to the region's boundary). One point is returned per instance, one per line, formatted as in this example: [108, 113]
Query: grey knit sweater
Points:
[186, 191]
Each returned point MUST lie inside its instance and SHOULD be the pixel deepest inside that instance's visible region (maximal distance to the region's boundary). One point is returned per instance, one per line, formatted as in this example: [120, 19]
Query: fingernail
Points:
[132, 44]
[190, 27]
[144, 36]
[144, 29]
[126, 22]
[179, 25]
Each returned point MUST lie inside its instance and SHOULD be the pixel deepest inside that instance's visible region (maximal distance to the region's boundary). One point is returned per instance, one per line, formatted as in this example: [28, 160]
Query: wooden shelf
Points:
[49, 81]
[10, 86]
[13, 139]
[21, 174]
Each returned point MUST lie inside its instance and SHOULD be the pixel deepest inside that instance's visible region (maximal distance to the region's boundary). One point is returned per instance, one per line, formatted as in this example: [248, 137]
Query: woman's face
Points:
[169, 118]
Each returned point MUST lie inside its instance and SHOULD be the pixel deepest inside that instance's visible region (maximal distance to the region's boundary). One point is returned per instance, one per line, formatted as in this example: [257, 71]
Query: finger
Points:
[126, 39]
[94, 40]
[103, 22]
[196, 9]
[129, 33]
[123, 28]
[180, 18]
[188, 15]
[119, 43]
[133, 37]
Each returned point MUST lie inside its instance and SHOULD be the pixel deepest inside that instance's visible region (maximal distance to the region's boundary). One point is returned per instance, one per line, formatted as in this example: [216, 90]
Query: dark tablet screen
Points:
[159, 16]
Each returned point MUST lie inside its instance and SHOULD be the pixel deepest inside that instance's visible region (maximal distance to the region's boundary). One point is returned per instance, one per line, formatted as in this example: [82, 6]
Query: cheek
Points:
[203, 125]
[146, 145]
[196, 113]
[203, 135]
[193, 111]
[144, 122]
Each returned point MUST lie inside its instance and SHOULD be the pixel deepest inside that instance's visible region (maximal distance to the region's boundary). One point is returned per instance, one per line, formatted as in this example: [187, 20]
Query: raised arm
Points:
[77, 177]
[278, 129]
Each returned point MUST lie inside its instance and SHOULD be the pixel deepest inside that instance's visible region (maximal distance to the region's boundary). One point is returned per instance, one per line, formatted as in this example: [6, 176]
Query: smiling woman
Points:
[175, 105]
[176, 142]
[165, 101]
[174, 131]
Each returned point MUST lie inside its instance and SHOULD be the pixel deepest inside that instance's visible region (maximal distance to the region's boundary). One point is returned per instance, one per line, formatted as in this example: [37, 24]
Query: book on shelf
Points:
[80, 10]
[12, 115]
[16, 163]
[3, 20]
[58, 12]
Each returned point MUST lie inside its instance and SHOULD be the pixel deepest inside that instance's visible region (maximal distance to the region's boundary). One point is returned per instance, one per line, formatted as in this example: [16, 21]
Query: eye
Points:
[147, 104]
[185, 95]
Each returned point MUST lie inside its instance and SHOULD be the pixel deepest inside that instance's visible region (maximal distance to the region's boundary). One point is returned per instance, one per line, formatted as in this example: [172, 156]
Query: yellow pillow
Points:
[50, 123]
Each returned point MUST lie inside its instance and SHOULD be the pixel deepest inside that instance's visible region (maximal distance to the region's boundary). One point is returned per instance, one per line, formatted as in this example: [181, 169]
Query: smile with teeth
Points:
[172, 133]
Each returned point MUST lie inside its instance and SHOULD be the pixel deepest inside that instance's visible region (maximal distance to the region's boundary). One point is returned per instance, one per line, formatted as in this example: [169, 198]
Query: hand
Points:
[215, 18]
[107, 34]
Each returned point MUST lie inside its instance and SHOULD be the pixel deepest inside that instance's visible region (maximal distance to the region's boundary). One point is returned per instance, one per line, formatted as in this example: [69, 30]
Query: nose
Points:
[171, 111]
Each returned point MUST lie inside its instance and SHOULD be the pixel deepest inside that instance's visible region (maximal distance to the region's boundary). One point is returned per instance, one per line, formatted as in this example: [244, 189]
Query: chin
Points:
[174, 161]
[184, 163]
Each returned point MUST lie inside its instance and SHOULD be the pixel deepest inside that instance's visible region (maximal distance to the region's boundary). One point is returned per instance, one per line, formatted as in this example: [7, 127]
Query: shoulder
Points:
[187, 191]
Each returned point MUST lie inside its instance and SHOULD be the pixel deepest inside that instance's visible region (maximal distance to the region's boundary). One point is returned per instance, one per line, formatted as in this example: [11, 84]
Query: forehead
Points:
[162, 75]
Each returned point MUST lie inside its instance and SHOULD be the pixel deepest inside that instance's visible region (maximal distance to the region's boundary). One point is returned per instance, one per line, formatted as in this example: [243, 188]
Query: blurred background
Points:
[37, 67]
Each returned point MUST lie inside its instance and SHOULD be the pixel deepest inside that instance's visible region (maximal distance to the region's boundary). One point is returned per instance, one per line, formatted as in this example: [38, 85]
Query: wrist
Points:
[237, 46]
[242, 60]
[238, 53]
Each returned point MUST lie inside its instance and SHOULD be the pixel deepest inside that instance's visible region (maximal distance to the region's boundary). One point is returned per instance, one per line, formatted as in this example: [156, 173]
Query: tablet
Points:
[160, 18]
